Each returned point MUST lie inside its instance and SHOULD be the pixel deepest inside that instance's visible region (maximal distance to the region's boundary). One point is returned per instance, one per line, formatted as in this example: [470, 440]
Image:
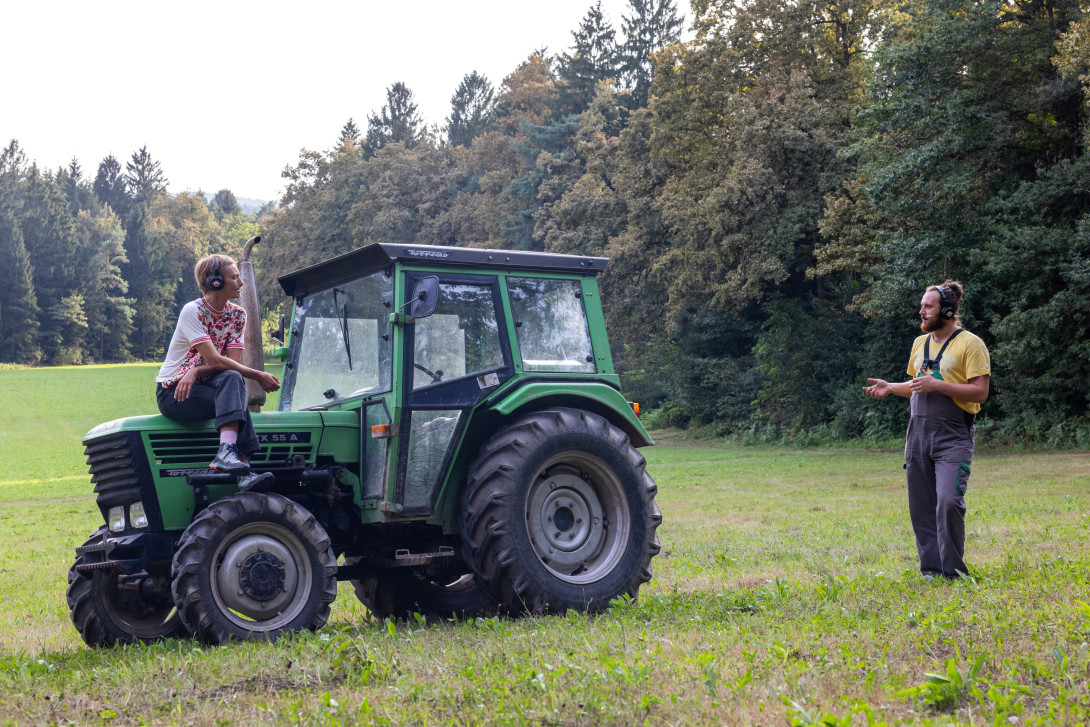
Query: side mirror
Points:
[278, 335]
[425, 296]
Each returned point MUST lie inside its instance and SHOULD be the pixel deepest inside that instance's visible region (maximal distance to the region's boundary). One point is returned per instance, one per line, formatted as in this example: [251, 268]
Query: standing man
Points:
[951, 372]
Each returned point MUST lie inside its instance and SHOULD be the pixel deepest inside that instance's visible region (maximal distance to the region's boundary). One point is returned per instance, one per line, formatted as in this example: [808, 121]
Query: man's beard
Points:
[931, 324]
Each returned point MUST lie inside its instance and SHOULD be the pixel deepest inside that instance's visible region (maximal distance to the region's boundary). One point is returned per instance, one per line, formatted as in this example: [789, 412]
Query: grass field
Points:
[786, 593]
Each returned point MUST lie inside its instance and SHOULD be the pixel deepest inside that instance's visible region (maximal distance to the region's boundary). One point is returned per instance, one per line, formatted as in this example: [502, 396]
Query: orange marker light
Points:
[635, 407]
[380, 431]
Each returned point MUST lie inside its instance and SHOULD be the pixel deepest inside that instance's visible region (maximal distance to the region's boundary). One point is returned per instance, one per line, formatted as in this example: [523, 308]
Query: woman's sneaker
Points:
[256, 481]
[228, 460]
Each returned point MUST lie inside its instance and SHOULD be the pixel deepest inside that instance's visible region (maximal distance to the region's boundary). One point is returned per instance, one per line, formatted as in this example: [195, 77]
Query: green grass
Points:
[786, 593]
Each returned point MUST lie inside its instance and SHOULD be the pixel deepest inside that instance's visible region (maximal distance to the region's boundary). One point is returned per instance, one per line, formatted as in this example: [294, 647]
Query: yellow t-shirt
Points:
[965, 358]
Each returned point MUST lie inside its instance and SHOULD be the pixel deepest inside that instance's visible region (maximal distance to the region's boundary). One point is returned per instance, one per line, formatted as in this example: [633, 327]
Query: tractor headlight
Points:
[116, 518]
[137, 516]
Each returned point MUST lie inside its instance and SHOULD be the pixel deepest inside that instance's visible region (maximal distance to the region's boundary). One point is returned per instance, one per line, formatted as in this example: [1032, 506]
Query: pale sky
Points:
[225, 94]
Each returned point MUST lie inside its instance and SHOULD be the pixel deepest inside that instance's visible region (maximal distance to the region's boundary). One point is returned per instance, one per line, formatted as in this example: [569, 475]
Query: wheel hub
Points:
[569, 515]
[566, 522]
[260, 573]
[262, 576]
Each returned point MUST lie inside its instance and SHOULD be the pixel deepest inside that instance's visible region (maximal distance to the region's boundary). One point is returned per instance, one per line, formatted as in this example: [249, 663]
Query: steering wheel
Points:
[435, 375]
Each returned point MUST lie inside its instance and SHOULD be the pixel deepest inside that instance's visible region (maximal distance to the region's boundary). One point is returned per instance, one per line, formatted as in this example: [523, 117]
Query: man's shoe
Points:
[228, 460]
[256, 481]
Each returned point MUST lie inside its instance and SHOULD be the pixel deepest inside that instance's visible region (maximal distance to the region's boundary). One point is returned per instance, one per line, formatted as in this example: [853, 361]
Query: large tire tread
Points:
[493, 480]
[89, 607]
[192, 570]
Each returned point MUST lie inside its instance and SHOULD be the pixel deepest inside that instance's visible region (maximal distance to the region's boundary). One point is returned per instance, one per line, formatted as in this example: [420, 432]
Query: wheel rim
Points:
[262, 576]
[577, 518]
[123, 599]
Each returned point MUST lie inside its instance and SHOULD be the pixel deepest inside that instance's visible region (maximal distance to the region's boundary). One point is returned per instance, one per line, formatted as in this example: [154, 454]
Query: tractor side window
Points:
[340, 344]
[551, 324]
[460, 338]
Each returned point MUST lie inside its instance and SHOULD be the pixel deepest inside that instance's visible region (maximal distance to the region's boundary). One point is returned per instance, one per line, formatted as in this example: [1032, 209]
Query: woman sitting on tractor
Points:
[202, 377]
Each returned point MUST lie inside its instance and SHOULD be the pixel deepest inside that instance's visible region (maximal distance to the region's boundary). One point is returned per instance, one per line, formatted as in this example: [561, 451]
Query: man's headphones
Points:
[947, 310]
[215, 280]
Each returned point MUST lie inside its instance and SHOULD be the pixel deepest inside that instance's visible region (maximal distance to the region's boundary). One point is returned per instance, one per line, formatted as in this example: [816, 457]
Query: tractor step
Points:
[404, 558]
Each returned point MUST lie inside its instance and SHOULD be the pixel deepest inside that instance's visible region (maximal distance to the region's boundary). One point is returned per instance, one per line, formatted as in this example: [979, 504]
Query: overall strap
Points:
[969, 419]
[938, 358]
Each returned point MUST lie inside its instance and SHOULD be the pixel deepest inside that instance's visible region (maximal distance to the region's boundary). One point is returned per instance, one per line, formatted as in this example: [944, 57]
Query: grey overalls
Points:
[938, 453]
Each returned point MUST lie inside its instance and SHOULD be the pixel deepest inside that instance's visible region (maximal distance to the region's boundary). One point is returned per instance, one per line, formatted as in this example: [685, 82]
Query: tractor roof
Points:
[351, 264]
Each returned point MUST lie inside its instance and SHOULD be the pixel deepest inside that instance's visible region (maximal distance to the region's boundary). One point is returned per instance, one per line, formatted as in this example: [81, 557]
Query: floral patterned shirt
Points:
[200, 322]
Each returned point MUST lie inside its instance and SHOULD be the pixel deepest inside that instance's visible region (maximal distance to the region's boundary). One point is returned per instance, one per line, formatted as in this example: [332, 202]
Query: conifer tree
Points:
[109, 186]
[397, 121]
[151, 274]
[349, 133]
[50, 243]
[18, 304]
[472, 109]
[77, 190]
[652, 26]
[594, 57]
[224, 204]
[108, 312]
[143, 177]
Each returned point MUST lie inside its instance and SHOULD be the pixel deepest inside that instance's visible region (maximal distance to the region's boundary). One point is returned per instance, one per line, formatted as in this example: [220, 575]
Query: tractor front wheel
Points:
[253, 566]
[559, 513]
[109, 607]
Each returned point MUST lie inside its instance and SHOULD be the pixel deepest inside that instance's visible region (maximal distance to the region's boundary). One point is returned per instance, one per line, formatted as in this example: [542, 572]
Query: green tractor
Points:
[450, 438]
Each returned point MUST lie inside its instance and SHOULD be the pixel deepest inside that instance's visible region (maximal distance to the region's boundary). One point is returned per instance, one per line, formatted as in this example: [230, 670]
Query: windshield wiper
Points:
[344, 323]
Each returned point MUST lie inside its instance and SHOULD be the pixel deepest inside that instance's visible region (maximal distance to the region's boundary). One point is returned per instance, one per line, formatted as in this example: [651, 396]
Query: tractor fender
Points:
[600, 398]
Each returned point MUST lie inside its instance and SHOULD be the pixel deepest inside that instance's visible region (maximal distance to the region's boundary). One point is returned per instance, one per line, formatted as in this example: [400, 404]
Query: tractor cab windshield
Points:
[340, 344]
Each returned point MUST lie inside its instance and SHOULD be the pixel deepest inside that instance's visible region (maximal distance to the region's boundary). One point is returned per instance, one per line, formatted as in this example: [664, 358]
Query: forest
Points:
[774, 193]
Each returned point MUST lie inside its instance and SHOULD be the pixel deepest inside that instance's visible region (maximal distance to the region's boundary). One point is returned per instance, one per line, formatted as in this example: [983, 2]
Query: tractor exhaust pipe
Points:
[252, 355]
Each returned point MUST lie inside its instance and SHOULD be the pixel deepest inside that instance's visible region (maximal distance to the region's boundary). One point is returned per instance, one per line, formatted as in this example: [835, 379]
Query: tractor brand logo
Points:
[428, 253]
[185, 472]
[283, 437]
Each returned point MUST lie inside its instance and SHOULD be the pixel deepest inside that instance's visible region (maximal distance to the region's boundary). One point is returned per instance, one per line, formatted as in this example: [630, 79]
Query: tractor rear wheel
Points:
[402, 592]
[559, 513]
[253, 566]
[110, 608]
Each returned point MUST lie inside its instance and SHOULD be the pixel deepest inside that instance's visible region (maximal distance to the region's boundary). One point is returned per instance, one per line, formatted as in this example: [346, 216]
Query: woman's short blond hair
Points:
[202, 271]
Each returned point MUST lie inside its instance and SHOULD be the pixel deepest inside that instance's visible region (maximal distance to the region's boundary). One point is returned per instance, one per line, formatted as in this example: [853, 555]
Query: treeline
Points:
[96, 269]
[774, 195]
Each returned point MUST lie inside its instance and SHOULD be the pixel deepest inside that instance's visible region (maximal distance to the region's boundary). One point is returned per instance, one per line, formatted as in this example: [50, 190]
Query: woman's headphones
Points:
[215, 280]
[947, 310]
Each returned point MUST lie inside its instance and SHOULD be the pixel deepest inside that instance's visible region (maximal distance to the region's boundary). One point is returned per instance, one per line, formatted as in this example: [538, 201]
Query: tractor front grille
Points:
[197, 449]
[113, 465]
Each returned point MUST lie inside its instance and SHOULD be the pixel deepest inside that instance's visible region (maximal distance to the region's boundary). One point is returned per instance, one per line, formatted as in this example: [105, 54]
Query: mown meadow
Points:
[786, 593]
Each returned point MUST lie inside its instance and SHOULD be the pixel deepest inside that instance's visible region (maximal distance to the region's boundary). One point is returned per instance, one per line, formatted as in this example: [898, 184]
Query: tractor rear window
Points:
[340, 344]
[551, 324]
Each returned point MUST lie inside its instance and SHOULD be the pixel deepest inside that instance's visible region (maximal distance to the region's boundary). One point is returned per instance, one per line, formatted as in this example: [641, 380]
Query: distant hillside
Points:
[249, 205]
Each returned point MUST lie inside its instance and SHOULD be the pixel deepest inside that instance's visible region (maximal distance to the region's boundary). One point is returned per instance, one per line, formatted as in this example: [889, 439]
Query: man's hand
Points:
[879, 390]
[185, 385]
[924, 384]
